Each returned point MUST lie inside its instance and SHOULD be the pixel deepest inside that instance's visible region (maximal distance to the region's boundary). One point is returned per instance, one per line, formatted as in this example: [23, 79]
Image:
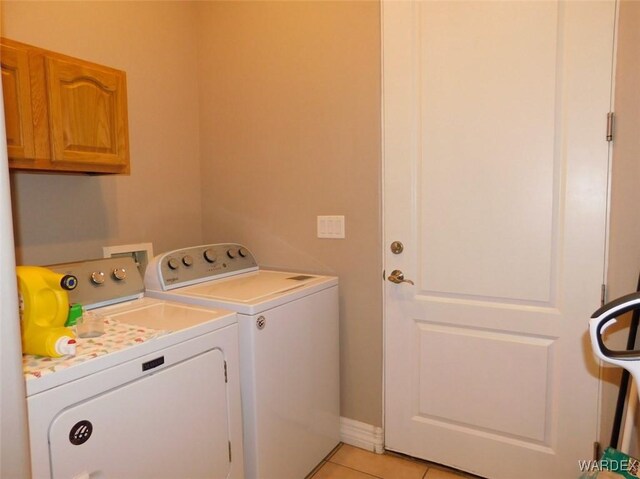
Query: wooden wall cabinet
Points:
[63, 114]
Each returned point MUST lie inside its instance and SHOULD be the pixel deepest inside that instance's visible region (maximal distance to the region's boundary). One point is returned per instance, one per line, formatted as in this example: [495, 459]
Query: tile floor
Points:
[348, 462]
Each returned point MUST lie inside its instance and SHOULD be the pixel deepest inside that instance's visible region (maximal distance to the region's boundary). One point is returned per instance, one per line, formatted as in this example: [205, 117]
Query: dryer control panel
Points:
[102, 282]
[196, 264]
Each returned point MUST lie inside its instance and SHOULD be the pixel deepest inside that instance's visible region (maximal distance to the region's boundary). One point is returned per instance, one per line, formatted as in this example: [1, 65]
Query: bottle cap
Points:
[66, 346]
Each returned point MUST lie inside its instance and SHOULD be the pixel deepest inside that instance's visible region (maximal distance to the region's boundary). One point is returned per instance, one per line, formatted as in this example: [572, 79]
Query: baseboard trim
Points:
[362, 435]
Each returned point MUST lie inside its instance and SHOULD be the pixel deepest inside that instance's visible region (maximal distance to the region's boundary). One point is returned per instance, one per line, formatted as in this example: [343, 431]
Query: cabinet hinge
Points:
[226, 379]
[603, 294]
[229, 451]
[610, 117]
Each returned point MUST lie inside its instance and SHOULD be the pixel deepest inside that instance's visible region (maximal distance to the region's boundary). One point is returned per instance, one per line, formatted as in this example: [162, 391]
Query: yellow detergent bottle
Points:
[44, 306]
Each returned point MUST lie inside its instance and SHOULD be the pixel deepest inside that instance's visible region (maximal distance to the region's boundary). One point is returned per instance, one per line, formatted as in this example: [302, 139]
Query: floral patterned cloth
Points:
[117, 336]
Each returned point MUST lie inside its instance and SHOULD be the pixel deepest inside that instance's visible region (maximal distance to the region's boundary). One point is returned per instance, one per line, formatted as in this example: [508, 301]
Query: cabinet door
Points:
[87, 116]
[17, 103]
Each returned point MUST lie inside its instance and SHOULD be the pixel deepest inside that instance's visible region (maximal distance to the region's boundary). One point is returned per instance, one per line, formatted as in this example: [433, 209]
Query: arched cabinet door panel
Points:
[87, 113]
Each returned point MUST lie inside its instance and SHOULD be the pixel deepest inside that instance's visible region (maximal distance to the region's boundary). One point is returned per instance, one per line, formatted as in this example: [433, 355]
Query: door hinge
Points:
[603, 294]
[229, 451]
[384, 273]
[610, 117]
[596, 450]
[226, 379]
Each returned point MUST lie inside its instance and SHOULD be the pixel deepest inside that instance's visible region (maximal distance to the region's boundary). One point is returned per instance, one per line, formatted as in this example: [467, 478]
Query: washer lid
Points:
[253, 287]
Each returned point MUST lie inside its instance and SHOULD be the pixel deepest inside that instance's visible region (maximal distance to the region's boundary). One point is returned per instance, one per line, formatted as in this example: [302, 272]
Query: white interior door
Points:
[496, 183]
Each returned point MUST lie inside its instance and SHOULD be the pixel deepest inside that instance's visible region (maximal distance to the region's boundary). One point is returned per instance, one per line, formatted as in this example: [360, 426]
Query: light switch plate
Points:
[331, 227]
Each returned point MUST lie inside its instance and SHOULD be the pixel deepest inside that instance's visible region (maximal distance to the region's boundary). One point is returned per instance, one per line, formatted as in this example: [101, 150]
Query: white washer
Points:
[289, 351]
[157, 396]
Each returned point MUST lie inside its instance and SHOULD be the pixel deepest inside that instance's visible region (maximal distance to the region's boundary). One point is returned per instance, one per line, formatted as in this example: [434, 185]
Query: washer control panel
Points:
[103, 281]
[197, 264]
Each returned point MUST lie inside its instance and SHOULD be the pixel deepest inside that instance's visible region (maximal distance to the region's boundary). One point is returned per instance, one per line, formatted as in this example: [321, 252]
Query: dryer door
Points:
[170, 424]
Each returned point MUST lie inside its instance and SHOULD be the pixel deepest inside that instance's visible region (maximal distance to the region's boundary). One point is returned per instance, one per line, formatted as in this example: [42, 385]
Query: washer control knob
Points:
[209, 255]
[97, 277]
[173, 263]
[119, 273]
[187, 260]
[243, 252]
[231, 254]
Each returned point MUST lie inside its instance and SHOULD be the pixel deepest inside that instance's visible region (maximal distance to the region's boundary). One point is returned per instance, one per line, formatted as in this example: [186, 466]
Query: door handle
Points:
[397, 277]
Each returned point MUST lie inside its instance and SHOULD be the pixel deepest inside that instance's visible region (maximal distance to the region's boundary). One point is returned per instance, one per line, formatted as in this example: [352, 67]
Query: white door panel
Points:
[495, 181]
[487, 124]
[477, 401]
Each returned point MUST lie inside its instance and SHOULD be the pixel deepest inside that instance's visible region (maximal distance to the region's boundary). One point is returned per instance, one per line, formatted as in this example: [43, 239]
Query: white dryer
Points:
[156, 396]
[289, 351]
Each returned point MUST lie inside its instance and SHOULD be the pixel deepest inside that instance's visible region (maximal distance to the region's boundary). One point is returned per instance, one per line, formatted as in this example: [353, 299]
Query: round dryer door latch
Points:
[261, 322]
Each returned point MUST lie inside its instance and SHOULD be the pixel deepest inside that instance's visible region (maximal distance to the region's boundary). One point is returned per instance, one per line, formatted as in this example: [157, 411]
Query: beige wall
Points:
[289, 96]
[62, 218]
[624, 246]
[290, 125]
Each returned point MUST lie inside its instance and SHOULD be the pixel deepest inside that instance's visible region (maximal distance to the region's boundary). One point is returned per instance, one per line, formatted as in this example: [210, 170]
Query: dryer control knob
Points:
[231, 254]
[209, 255]
[242, 252]
[69, 282]
[173, 263]
[187, 260]
[119, 273]
[97, 277]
